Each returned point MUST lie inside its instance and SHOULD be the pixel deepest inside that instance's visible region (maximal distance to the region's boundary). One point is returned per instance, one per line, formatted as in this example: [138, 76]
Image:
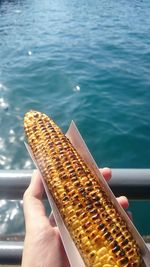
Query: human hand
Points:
[42, 245]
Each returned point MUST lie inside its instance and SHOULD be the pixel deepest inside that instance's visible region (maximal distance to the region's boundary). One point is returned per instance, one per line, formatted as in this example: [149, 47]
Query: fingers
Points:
[123, 201]
[52, 220]
[106, 172]
[129, 213]
[35, 188]
[32, 200]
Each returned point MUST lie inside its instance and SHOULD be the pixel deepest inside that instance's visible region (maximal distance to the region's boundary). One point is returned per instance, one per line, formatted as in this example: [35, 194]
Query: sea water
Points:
[76, 60]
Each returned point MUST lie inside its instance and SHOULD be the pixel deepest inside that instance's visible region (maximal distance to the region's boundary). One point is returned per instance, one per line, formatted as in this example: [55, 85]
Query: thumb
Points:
[32, 201]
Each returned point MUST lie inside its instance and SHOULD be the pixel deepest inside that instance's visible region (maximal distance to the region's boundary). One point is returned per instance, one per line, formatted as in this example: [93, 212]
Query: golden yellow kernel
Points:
[102, 252]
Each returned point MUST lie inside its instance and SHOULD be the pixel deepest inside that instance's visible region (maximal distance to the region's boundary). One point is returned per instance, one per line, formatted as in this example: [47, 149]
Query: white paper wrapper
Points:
[70, 248]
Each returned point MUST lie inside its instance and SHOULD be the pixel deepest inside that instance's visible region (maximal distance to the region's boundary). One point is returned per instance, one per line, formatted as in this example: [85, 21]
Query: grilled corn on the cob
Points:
[98, 230]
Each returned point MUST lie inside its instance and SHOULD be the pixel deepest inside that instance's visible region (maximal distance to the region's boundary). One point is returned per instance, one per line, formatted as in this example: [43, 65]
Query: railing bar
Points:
[11, 252]
[135, 183]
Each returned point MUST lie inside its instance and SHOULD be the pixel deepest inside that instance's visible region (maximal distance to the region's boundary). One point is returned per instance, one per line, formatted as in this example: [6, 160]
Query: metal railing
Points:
[134, 183]
[11, 252]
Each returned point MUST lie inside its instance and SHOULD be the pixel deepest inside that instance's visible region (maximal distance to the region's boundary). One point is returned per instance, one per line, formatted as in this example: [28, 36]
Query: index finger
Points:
[106, 172]
[32, 199]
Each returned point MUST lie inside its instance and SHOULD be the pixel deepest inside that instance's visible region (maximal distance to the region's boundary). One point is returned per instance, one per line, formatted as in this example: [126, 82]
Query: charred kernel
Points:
[116, 249]
[66, 187]
[98, 204]
[127, 248]
[81, 190]
[83, 194]
[68, 164]
[122, 253]
[89, 183]
[49, 126]
[89, 207]
[107, 235]
[64, 177]
[76, 197]
[103, 215]
[101, 226]
[34, 128]
[80, 206]
[47, 135]
[96, 198]
[40, 121]
[79, 169]
[43, 128]
[93, 194]
[65, 159]
[116, 229]
[130, 253]
[71, 193]
[79, 212]
[125, 242]
[104, 230]
[65, 198]
[83, 215]
[58, 143]
[98, 240]
[115, 243]
[51, 145]
[112, 225]
[76, 183]
[36, 115]
[89, 202]
[124, 260]
[108, 220]
[94, 211]
[89, 189]
[92, 254]
[110, 238]
[86, 225]
[95, 217]
[73, 178]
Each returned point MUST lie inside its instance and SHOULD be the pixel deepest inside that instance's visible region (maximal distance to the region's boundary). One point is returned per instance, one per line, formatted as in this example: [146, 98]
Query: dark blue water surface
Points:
[81, 60]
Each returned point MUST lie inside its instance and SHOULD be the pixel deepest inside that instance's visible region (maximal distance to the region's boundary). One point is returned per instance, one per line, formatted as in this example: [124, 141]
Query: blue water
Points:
[81, 60]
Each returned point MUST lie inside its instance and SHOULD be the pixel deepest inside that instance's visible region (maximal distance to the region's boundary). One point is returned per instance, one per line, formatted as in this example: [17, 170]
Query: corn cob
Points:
[97, 228]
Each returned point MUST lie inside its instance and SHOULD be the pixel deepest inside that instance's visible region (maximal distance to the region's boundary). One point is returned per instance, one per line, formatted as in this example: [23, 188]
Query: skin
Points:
[43, 246]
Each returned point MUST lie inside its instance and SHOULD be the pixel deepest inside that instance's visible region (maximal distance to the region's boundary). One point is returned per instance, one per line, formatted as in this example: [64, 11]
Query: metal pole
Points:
[11, 252]
[13, 183]
[134, 183]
